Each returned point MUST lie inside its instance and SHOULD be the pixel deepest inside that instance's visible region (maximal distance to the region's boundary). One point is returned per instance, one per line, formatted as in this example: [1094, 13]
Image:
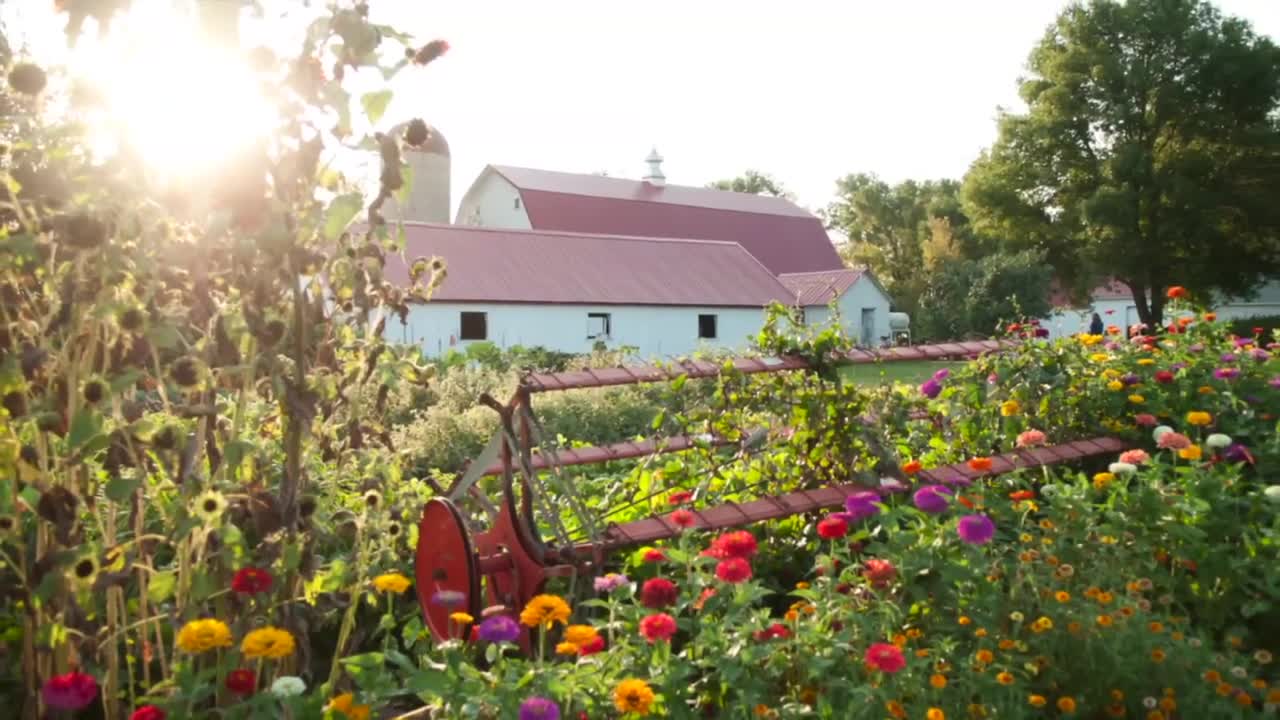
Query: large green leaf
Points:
[340, 213]
[375, 104]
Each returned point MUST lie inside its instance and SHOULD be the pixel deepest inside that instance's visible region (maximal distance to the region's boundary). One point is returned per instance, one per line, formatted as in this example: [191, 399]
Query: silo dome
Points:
[429, 173]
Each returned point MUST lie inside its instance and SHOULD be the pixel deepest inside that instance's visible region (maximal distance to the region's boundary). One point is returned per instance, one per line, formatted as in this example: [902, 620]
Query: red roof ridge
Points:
[570, 233]
[794, 210]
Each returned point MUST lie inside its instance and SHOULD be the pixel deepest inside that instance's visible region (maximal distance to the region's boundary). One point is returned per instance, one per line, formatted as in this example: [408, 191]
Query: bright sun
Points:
[182, 104]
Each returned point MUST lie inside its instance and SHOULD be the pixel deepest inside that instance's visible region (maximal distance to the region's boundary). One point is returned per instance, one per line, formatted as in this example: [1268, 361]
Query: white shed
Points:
[568, 291]
[856, 296]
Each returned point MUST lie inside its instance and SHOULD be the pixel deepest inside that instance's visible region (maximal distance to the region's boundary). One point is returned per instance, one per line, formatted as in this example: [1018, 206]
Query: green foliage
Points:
[755, 183]
[1148, 152]
[970, 298]
[1247, 327]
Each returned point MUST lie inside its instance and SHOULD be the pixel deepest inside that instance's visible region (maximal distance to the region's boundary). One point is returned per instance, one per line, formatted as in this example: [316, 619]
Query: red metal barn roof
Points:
[784, 237]
[820, 288]
[523, 266]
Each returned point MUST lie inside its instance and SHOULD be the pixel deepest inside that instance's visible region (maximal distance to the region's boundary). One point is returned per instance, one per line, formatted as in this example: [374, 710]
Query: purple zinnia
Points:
[539, 708]
[1226, 373]
[976, 529]
[498, 628]
[1260, 355]
[1238, 452]
[890, 486]
[862, 505]
[1042, 332]
[448, 598]
[1130, 379]
[610, 582]
[1227, 357]
[1274, 382]
[942, 374]
[930, 499]
[1241, 342]
[930, 388]
[1178, 366]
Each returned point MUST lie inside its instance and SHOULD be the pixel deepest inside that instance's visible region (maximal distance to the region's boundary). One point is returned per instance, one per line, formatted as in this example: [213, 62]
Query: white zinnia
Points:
[1218, 441]
[288, 686]
[1122, 468]
[1160, 431]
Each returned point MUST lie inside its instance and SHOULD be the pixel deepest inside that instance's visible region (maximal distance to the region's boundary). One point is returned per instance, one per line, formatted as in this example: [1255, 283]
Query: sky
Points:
[807, 90]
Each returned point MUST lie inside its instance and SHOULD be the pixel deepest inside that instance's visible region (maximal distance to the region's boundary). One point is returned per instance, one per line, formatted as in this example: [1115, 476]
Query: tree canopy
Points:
[1149, 152]
[755, 183]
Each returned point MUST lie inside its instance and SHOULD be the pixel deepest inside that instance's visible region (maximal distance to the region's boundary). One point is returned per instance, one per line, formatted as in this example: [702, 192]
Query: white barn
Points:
[854, 294]
[1114, 302]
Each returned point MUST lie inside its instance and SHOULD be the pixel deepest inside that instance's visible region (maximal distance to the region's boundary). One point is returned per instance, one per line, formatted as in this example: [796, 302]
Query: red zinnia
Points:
[1177, 291]
[654, 555]
[885, 658]
[980, 464]
[1014, 327]
[832, 527]
[733, 570]
[737, 544]
[147, 712]
[1164, 377]
[682, 518]
[1022, 495]
[679, 497]
[1259, 330]
[912, 467]
[659, 626]
[776, 630]
[964, 501]
[658, 593]
[878, 572]
[250, 581]
[242, 682]
[703, 597]
[69, 691]
[596, 645]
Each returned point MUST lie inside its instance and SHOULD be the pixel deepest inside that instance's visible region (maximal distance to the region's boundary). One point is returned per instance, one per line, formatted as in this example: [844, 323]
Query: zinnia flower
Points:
[250, 581]
[267, 642]
[1175, 292]
[733, 570]
[1031, 438]
[931, 499]
[391, 582]
[658, 593]
[1190, 452]
[885, 657]
[633, 696]
[862, 504]
[1009, 408]
[776, 631]
[1121, 468]
[1226, 373]
[448, 598]
[659, 626]
[345, 705]
[737, 544]
[1218, 441]
[544, 611]
[1135, 457]
[976, 529]
[1199, 417]
[942, 374]
[683, 518]
[498, 629]
[241, 681]
[610, 582]
[679, 497]
[913, 466]
[591, 648]
[69, 691]
[200, 636]
[654, 555]
[980, 464]
[461, 618]
[832, 527]
[1145, 419]
[878, 572]
[1173, 441]
[930, 388]
[147, 712]
[1238, 453]
[287, 686]
[539, 708]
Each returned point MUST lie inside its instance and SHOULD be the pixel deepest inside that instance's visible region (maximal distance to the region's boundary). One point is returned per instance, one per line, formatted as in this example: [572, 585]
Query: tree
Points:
[755, 183]
[963, 298]
[888, 227]
[1149, 152]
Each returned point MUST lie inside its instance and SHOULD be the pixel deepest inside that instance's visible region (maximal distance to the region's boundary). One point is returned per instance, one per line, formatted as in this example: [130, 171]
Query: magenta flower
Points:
[932, 499]
[931, 388]
[992, 379]
[976, 529]
[1042, 332]
[942, 374]
[498, 628]
[1230, 357]
[1274, 382]
[862, 505]
[1226, 373]
[1260, 355]
[70, 691]
[539, 708]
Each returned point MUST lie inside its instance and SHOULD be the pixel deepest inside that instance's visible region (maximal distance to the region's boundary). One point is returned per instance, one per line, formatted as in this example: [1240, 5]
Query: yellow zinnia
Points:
[462, 618]
[345, 705]
[1137, 399]
[1191, 452]
[1115, 385]
[1037, 701]
[391, 582]
[544, 611]
[1009, 408]
[566, 648]
[1102, 480]
[633, 696]
[267, 642]
[200, 636]
[1199, 417]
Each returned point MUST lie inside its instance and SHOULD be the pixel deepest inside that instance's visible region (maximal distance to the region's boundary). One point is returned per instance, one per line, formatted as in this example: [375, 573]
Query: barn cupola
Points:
[654, 175]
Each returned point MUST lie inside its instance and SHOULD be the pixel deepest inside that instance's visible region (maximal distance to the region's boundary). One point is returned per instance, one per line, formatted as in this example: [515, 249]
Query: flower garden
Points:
[208, 510]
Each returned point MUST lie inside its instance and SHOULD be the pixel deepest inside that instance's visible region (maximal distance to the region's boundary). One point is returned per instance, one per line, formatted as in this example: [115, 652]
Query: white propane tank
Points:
[900, 328]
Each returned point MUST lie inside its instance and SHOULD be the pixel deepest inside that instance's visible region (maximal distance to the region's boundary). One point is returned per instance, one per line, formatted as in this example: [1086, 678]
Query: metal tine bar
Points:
[538, 435]
[539, 497]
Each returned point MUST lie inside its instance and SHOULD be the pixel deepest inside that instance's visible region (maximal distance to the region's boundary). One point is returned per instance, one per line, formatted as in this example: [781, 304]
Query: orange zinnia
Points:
[980, 464]
[912, 467]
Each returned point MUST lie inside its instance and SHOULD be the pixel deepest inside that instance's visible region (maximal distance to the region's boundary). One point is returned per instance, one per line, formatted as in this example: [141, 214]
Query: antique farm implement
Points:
[510, 560]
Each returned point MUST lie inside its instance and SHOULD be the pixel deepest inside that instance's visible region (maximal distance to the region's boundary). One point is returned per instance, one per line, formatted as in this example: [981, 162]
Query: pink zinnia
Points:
[1031, 438]
[683, 518]
[878, 572]
[1173, 441]
[1145, 419]
[70, 691]
[1134, 457]
[885, 658]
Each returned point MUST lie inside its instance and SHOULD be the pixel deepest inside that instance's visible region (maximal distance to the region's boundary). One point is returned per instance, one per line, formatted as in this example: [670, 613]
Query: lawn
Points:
[912, 372]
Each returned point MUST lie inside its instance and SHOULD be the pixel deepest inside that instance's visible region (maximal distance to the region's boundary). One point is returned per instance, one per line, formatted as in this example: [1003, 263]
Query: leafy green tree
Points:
[888, 227]
[755, 183]
[1150, 151]
[964, 298]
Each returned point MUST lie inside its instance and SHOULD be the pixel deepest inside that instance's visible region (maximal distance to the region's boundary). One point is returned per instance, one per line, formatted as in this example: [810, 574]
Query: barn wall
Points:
[656, 331]
[491, 202]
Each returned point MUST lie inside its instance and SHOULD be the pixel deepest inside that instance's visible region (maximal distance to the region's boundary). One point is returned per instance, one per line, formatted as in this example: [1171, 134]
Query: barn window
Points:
[599, 326]
[516, 204]
[475, 326]
[707, 327]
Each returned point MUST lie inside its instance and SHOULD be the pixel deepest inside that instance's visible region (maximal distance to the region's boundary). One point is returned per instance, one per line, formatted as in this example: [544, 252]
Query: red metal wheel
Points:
[446, 562]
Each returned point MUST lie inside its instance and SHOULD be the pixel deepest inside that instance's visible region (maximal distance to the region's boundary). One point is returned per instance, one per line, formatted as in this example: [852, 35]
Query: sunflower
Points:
[633, 696]
[209, 506]
[545, 610]
[200, 636]
[391, 582]
[85, 571]
[372, 499]
[267, 642]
